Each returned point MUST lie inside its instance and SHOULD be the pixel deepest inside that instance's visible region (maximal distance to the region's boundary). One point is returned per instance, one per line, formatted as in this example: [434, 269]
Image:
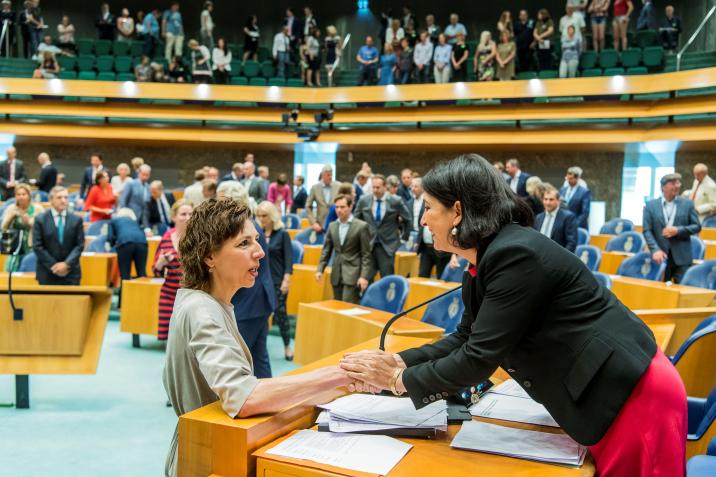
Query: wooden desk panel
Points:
[710, 249]
[19, 278]
[96, 268]
[708, 233]
[612, 260]
[683, 319]
[140, 306]
[321, 328]
[662, 334]
[210, 442]
[407, 264]
[292, 233]
[423, 289]
[638, 294]
[312, 254]
[600, 240]
[305, 289]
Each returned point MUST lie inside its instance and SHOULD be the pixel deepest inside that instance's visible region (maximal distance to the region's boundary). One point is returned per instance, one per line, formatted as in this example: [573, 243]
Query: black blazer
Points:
[153, 209]
[564, 230]
[5, 176]
[299, 200]
[521, 184]
[535, 310]
[280, 256]
[47, 248]
[47, 179]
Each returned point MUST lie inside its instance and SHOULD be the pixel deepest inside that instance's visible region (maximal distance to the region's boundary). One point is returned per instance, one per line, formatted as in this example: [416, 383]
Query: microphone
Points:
[17, 313]
[410, 310]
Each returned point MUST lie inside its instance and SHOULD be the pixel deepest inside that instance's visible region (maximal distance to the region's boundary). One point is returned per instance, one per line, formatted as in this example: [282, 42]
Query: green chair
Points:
[125, 77]
[84, 46]
[345, 106]
[67, 62]
[631, 57]
[592, 72]
[85, 62]
[608, 58]
[264, 54]
[121, 48]
[122, 64]
[102, 47]
[588, 60]
[653, 56]
[257, 81]
[251, 68]
[548, 74]
[277, 82]
[106, 76]
[136, 48]
[637, 70]
[651, 96]
[67, 75]
[87, 75]
[614, 71]
[105, 63]
[235, 68]
[239, 80]
[267, 69]
[645, 38]
[526, 75]
[295, 83]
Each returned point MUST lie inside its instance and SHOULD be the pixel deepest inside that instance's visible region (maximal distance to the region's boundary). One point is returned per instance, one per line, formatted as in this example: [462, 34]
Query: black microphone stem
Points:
[16, 314]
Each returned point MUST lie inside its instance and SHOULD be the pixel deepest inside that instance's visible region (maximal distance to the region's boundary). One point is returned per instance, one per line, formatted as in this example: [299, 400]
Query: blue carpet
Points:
[114, 423]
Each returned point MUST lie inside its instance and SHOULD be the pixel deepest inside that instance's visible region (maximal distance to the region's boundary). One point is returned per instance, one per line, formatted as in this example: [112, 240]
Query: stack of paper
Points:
[367, 413]
[530, 445]
[373, 454]
[510, 402]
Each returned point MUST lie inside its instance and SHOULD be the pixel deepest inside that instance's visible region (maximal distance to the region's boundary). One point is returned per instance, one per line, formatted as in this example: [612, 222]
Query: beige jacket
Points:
[705, 200]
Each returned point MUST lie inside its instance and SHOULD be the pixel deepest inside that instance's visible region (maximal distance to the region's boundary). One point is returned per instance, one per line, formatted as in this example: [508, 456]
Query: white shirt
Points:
[548, 224]
[669, 209]
[575, 20]
[382, 206]
[56, 216]
[280, 43]
[397, 34]
[514, 181]
[570, 192]
[343, 229]
[423, 53]
[417, 205]
[207, 21]
[118, 184]
[218, 57]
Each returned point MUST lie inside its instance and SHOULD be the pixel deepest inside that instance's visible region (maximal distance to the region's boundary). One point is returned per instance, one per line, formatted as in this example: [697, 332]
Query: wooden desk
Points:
[210, 442]
[292, 233]
[683, 319]
[322, 330]
[612, 260]
[304, 223]
[152, 245]
[140, 307]
[600, 240]
[423, 289]
[638, 294]
[305, 289]
[407, 264]
[710, 249]
[19, 278]
[96, 268]
[662, 334]
[61, 333]
[708, 233]
[312, 254]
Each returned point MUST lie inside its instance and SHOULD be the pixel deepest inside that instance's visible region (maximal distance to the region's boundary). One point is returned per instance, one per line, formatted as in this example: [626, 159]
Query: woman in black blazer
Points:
[281, 264]
[534, 309]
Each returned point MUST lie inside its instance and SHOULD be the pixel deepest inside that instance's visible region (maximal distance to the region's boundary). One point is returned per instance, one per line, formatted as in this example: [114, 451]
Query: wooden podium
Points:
[61, 331]
[140, 307]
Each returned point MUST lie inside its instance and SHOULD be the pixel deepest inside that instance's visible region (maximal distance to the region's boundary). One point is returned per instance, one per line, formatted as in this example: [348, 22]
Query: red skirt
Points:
[648, 436]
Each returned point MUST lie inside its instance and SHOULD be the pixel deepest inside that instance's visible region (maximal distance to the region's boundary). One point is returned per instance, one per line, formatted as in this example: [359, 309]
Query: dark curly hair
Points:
[488, 203]
[211, 224]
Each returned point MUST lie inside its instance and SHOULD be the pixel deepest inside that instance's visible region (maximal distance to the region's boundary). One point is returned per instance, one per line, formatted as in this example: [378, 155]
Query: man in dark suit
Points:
[57, 240]
[104, 22]
[255, 186]
[295, 27]
[557, 223]
[517, 179]
[48, 173]
[159, 207]
[405, 190]
[299, 194]
[236, 174]
[669, 222]
[252, 307]
[91, 173]
[576, 197]
[349, 238]
[136, 195]
[386, 215]
[12, 172]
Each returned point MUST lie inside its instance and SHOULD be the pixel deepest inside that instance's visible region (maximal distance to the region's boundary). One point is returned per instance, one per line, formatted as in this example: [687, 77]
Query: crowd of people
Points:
[407, 51]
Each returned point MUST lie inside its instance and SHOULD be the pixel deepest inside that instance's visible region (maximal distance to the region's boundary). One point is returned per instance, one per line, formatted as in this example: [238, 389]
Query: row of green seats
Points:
[651, 57]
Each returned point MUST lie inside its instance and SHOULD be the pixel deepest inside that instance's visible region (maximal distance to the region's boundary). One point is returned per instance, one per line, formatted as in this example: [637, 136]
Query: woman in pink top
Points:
[279, 193]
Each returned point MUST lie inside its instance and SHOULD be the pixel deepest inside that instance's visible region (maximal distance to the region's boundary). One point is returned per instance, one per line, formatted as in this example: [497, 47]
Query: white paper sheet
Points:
[384, 410]
[530, 445]
[510, 388]
[373, 454]
[511, 408]
[354, 312]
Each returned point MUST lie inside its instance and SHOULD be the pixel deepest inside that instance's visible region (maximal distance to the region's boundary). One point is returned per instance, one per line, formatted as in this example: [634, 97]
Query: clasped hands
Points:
[372, 371]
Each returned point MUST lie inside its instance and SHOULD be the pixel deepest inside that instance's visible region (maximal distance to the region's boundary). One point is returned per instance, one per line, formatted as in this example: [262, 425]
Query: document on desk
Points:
[519, 443]
[386, 410]
[354, 312]
[509, 402]
[373, 454]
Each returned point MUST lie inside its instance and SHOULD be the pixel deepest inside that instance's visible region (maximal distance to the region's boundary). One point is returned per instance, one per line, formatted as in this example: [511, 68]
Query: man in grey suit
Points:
[136, 195]
[255, 185]
[57, 240]
[386, 215]
[12, 172]
[669, 222]
[350, 239]
[323, 195]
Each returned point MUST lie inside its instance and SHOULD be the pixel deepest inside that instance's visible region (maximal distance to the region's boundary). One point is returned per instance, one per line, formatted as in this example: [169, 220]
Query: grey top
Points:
[206, 360]
[571, 48]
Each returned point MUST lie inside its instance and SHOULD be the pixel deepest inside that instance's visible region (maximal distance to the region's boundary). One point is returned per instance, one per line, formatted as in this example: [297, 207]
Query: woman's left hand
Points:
[284, 286]
[375, 368]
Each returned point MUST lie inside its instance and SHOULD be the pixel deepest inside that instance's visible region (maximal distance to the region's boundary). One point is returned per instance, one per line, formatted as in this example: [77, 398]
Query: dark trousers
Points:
[280, 316]
[383, 262]
[347, 293]
[545, 60]
[430, 258]
[524, 60]
[460, 74]
[674, 273]
[132, 252]
[150, 44]
[367, 75]
[254, 333]
[423, 76]
[221, 77]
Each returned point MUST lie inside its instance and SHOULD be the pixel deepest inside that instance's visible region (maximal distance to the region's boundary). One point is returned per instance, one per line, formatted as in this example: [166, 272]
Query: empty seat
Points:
[698, 248]
[617, 226]
[120, 48]
[67, 62]
[588, 60]
[310, 237]
[614, 71]
[87, 75]
[642, 266]
[251, 68]
[608, 58]
[292, 221]
[548, 74]
[125, 77]
[582, 236]
[239, 80]
[592, 72]
[526, 75]
[646, 38]
[445, 312]
[630, 242]
[105, 63]
[653, 56]
[295, 83]
[631, 57]
[710, 221]
[28, 263]
[123, 64]
[637, 70]
[84, 46]
[257, 81]
[603, 279]
[277, 82]
[85, 62]
[702, 414]
[67, 75]
[136, 48]
[590, 256]
[455, 274]
[387, 294]
[102, 47]
[267, 69]
[106, 76]
[297, 251]
[696, 361]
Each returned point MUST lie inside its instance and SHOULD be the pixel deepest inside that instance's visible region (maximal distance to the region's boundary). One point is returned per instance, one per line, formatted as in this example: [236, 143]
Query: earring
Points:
[211, 269]
[454, 231]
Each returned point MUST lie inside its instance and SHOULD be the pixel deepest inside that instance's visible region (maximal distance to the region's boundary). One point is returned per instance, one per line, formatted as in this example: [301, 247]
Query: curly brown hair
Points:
[212, 223]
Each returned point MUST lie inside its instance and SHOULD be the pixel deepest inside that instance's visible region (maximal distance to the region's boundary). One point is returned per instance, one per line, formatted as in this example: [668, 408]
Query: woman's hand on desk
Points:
[373, 369]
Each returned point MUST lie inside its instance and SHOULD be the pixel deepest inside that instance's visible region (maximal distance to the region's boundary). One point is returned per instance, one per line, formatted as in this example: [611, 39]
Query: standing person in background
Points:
[670, 30]
[394, 33]
[535, 193]
[543, 36]
[299, 194]
[168, 266]
[139, 29]
[344, 189]
[579, 6]
[126, 236]
[432, 29]
[101, 199]
[350, 239]
[252, 36]
[206, 31]
[125, 26]
[136, 194]
[236, 174]
[571, 18]
[504, 24]
[442, 58]
[105, 23]
[406, 183]
[484, 61]
[322, 194]
[221, 61]
[18, 217]
[517, 178]
[12, 172]
[136, 163]
[193, 192]
[423, 58]
[647, 17]
[598, 12]
[66, 34]
[48, 173]
[121, 179]
[257, 187]
[152, 31]
[279, 194]
[334, 50]
[555, 222]
[368, 57]
[313, 48]
[454, 28]
[200, 62]
[281, 52]
[429, 256]
[622, 10]
[505, 57]
[577, 198]
[524, 40]
[281, 262]
[173, 32]
[669, 222]
[9, 15]
[295, 29]
[159, 208]
[405, 62]
[309, 22]
[458, 59]
[90, 174]
[571, 49]
[703, 192]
